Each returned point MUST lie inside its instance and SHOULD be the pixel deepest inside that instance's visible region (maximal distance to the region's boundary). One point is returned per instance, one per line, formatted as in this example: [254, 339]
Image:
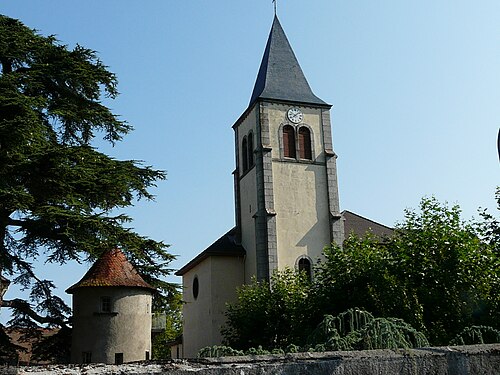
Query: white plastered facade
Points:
[217, 279]
[98, 336]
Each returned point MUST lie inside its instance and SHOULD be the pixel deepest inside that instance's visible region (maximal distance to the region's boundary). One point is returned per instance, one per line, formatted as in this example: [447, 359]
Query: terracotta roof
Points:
[111, 269]
[25, 356]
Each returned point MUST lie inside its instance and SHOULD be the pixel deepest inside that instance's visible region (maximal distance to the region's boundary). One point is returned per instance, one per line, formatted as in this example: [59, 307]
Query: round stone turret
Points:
[111, 313]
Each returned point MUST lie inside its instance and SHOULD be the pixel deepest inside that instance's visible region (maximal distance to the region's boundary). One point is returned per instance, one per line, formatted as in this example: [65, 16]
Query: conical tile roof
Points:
[111, 269]
[280, 76]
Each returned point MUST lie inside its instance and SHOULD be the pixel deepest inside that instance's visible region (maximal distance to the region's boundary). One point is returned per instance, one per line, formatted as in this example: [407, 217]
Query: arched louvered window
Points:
[288, 142]
[250, 150]
[305, 150]
[305, 266]
[244, 154]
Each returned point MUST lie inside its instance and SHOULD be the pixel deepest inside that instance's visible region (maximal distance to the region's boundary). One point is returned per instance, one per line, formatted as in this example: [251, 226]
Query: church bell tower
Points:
[286, 191]
[286, 195]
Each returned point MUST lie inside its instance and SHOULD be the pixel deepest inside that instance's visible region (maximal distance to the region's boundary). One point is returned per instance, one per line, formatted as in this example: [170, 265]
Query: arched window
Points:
[304, 264]
[305, 150]
[250, 150]
[288, 142]
[244, 154]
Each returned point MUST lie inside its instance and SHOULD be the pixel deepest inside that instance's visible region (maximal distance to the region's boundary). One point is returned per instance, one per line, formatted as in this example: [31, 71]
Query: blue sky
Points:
[415, 88]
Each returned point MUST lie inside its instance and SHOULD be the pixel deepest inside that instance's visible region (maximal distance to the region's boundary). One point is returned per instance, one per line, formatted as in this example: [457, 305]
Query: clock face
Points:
[295, 115]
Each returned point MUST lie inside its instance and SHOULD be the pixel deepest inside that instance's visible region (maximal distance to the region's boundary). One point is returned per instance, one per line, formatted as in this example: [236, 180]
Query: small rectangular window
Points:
[105, 304]
[118, 358]
[147, 355]
[86, 357]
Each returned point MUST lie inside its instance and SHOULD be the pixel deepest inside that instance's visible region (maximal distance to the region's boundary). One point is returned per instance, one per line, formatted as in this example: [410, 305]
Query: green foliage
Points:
[292, 348]
[270, 315]
[477, 335]
[258, 351]
[489, 227]
[59, 196]
[218, 351]
[437, 273]
[360, 274]
[226, 351]
[172, 330]
[353, 329]
[358, 329]
[390, 333]
[341, 332]
[452, 273]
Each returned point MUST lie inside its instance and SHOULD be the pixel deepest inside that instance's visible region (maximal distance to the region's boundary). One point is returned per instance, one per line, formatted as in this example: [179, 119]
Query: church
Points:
[286, 196]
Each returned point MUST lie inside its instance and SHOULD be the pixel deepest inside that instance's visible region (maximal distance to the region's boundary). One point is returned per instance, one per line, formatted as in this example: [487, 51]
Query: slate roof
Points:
[280, 76]
[224, 246]
[359, 225]
[111, 269]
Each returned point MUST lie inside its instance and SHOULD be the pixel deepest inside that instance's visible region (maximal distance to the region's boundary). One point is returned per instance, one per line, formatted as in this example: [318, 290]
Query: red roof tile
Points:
[111, 269]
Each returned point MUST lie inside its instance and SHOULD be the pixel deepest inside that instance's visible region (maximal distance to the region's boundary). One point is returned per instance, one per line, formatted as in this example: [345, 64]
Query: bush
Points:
[358, 329]
[218, 351]
[477, 335]
[279, 312]
[437, 274]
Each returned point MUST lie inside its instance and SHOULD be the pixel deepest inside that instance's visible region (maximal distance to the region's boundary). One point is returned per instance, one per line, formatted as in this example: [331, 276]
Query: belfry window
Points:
[244, 154]
[304, 265]
[305, 149]
[288, 142]
[250, 150]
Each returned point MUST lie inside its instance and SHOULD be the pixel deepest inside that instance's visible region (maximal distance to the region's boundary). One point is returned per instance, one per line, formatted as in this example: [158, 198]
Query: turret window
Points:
[105, 304]
[289, 142]
[86, 357]
[305, 151]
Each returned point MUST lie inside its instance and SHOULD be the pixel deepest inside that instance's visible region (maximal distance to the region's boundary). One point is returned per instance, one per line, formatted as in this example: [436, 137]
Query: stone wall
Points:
[458, 360]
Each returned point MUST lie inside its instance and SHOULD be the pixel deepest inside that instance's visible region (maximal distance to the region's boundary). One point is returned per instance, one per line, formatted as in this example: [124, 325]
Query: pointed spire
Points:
[280, 76]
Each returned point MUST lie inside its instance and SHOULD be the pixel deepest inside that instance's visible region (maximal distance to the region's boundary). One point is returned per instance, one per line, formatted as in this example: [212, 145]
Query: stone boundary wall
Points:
[457, 360]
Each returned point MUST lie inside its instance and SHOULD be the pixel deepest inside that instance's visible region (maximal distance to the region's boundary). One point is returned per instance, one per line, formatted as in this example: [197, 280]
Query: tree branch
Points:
[6, 66]
[25, 308]
[15, 223]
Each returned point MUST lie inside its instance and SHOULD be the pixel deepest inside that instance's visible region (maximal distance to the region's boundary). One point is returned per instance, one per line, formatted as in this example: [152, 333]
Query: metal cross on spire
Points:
[274, 2]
